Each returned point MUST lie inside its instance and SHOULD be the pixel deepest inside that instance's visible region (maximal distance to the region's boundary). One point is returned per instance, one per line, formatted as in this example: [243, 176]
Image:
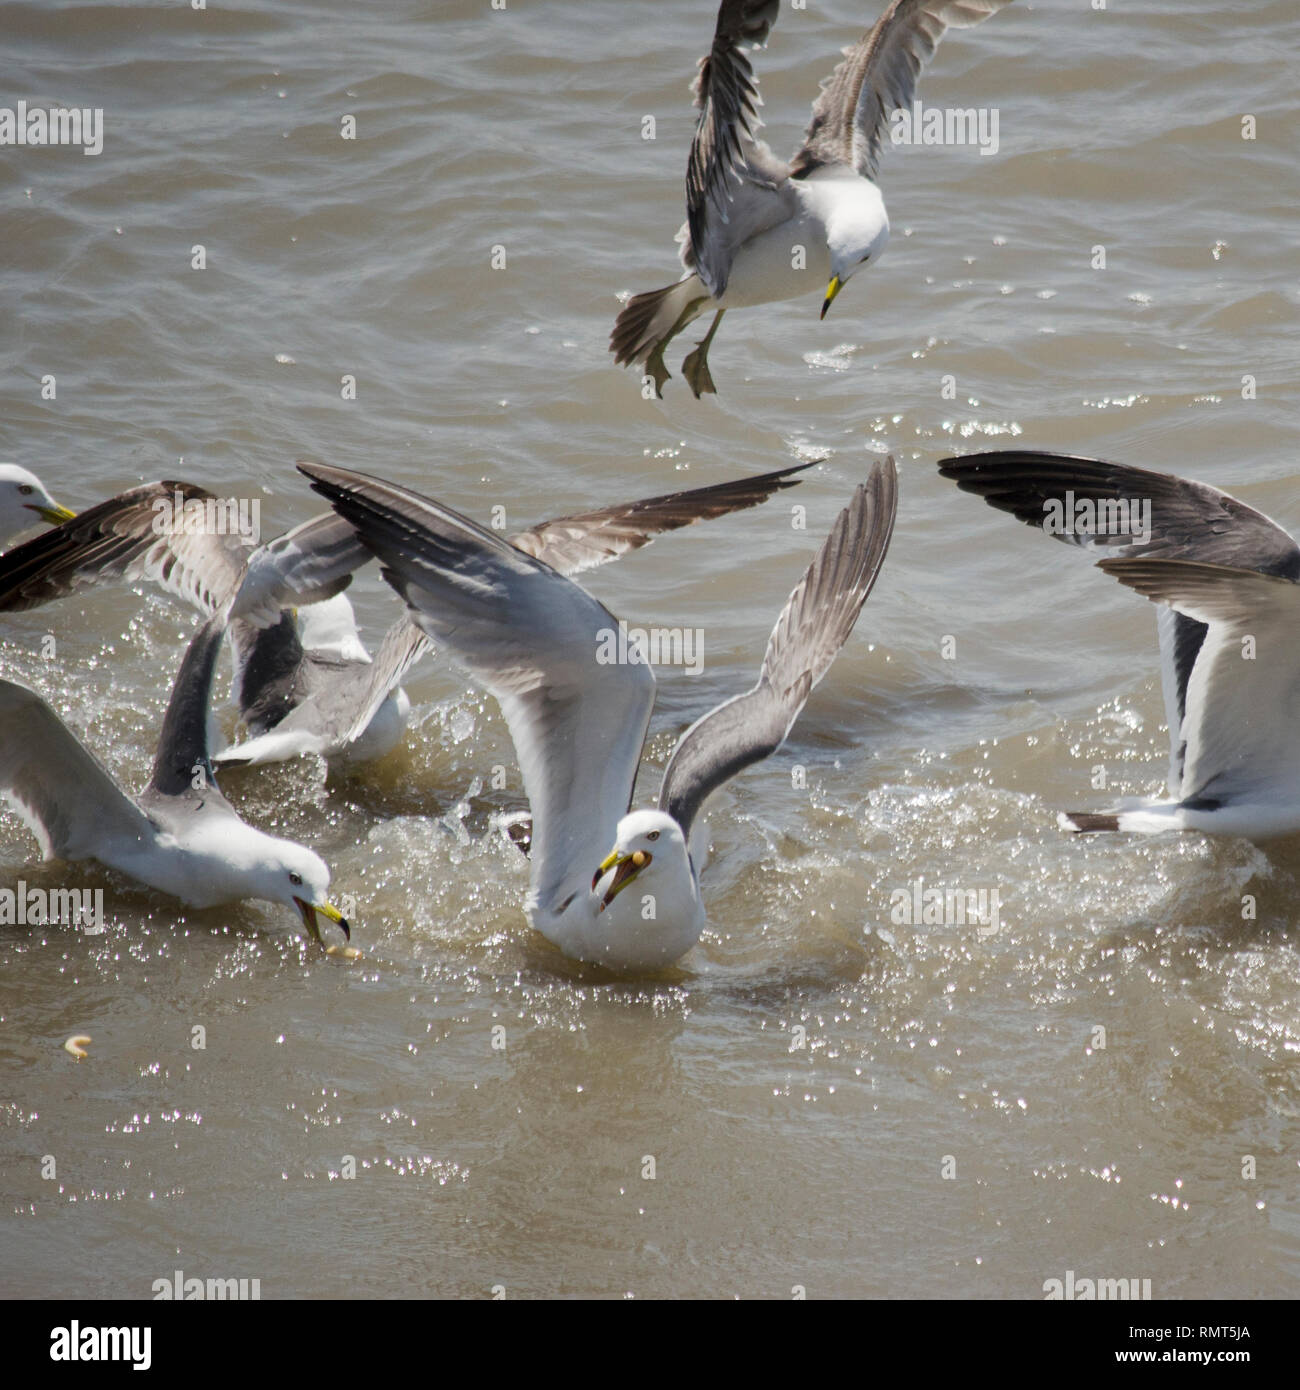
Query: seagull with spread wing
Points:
[534, 639]
[1221, 573]
[747, 209]
[304, 681]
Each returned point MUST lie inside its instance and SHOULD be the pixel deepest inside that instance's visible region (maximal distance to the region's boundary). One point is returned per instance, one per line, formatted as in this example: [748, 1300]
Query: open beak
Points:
[625, 866]
[54, 515]
[835, 286]
[309, 911]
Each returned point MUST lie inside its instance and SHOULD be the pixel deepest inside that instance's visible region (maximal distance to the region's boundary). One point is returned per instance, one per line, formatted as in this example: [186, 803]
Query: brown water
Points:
[924, 1049]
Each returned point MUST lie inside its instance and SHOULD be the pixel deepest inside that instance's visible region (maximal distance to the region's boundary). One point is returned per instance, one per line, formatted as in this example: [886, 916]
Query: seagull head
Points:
[643, 839]
[23, 499]
[659, 921]
[857, 231]
[292, 874]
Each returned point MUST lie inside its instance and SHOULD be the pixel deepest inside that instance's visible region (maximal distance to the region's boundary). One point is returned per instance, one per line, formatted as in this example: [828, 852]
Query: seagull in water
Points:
[181, 836]
[1222, 573]
[24, 501]
[291, 628]
[304, 682]
[747, 209]
[534, 638]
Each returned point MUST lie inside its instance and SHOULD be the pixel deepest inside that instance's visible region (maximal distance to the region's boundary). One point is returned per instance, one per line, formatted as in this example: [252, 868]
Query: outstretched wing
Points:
[1135, 513]
[67, 799]
[139, 534]
[308, 564]
[571, 544]
[813, 626]
[733, 179]
[878, 75]
[535, 640]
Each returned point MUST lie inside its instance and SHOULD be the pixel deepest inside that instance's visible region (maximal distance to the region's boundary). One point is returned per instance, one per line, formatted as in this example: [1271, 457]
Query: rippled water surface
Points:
[807, 1077]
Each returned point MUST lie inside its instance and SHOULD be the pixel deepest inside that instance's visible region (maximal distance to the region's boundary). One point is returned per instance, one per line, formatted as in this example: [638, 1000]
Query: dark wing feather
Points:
[725, 150]
[571, 544]
[122, 538]
[1189, 520]
[183, 742]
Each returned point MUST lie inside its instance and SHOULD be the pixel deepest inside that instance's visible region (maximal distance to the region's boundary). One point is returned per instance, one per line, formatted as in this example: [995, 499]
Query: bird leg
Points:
[655, 366]
[654, 363]
[696, 367]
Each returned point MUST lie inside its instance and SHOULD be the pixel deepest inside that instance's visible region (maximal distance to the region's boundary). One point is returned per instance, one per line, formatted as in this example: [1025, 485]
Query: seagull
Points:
[304, 681]
[1227, 580]
[747, 209]
[534, 638]
[23, 499]
[291, 628]
[180, 836]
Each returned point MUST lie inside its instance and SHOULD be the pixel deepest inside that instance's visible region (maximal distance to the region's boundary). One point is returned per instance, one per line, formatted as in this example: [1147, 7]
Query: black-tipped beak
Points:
[625, 866]
[309, 911]
[835, 286]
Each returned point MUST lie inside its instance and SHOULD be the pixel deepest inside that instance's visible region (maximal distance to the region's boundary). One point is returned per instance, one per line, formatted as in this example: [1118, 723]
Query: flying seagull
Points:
[24, 501]
[180, 836]
[747, 209]
[304, 682]
[534, 638]
[1222, 573]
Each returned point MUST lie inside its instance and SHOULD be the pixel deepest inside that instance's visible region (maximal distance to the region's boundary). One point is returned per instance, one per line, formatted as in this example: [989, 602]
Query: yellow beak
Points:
[55, 514]
[628, 866]
[831, 291]
[309, 911]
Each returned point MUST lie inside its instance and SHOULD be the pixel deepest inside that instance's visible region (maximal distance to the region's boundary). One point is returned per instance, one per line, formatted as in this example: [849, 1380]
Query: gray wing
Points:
[183, 750]
[62, 792]
[571, 544]
[337, 701]
[534, 639]
[269, 670]
[127, 537]
[813, 626]
[733, 180]
[312, 562]
[1184, 520]
[877, 76]
[1239, 728]
[307, 565]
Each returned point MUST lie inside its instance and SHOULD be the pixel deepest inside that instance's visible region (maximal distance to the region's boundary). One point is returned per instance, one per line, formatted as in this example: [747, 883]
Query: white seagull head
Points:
[244, 862]
[662, 919]
[857, 226]
[24, 501]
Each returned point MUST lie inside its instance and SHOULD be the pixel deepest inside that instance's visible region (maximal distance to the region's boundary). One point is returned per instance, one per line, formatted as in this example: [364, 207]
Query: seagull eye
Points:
[295, 879]
[653, 835]
[26, 489]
